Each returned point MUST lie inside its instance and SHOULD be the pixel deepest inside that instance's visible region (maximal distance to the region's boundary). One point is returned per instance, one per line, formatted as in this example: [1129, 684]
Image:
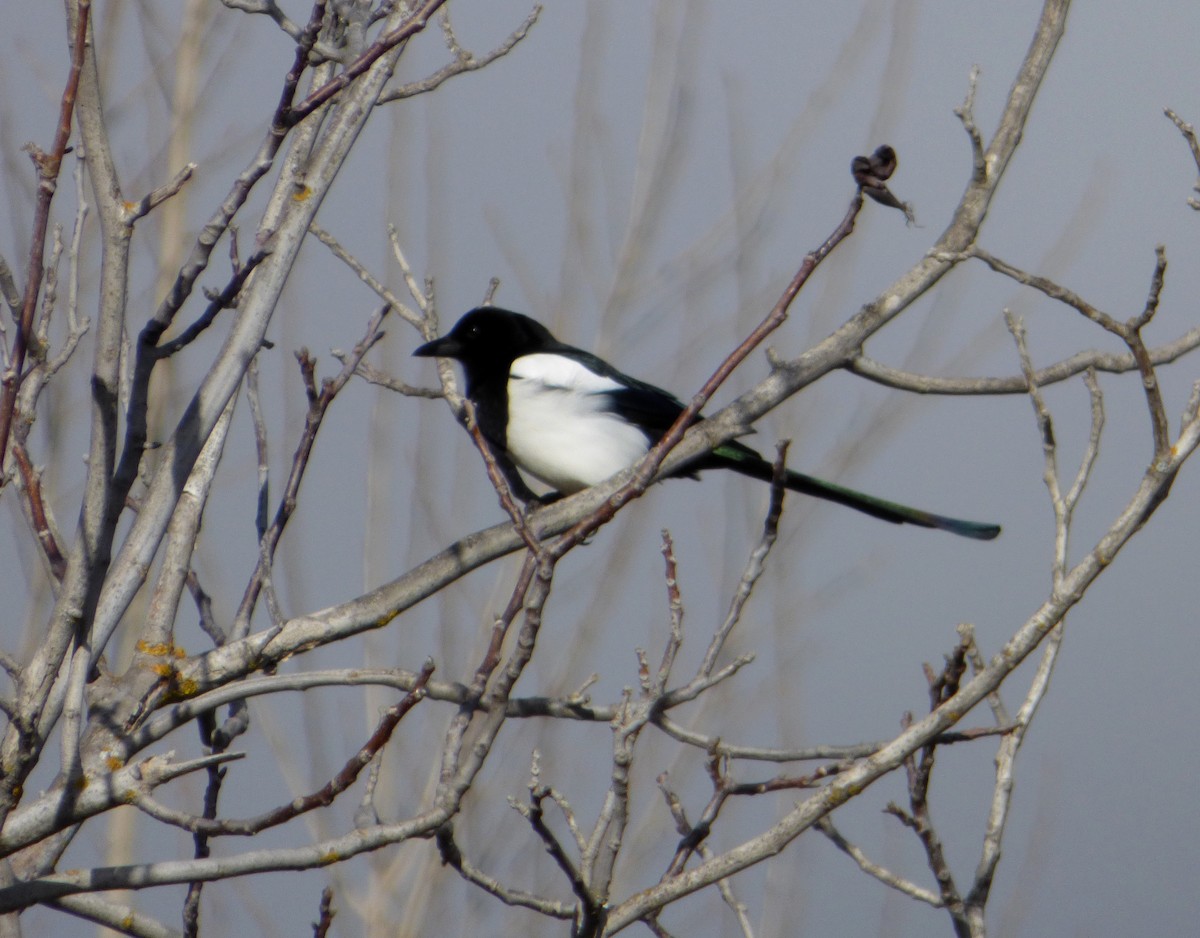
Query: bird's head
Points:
[489, 335]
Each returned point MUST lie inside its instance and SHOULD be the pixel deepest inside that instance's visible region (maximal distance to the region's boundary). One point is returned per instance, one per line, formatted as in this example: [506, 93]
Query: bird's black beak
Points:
[445, 347]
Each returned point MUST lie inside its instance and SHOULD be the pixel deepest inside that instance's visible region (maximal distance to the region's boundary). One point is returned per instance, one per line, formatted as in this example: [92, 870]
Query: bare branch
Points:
[675, 611]
[377, 286]
[323, 797]
[426, 322]
[755, 565]
[47, 165]
[685, 830]
[534, 813]
[1189, 135]
[114, 915]
[414, 24]
[267, 8]
[966, 113]
[1077, 364]
[464, 61]
[884, 875]
[998, 813]
[182, 534]
[504, 477]
[56, 811]
[1155, 481]
[219, 302]
[452, 857]
[375, 376]
[1128, 331]
[40, 521]
[173, 872]
[318, 405]
[8, 289]
[156, 197]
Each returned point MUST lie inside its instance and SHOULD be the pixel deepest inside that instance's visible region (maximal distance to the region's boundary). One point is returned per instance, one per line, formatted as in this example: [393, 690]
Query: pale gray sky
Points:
[538, 170]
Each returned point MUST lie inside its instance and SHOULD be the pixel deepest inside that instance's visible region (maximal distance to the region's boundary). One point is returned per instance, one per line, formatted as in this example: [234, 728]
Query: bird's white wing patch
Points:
[560, 428]
[559, 372]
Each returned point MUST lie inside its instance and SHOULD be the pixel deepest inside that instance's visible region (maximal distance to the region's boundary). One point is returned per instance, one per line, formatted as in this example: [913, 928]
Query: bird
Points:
[572, 420]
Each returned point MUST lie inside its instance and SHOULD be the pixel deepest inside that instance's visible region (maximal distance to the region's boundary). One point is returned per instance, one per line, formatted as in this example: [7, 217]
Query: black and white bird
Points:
[570, 419]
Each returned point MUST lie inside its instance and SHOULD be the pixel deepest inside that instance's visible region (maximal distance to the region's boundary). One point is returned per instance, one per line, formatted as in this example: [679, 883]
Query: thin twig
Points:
[675, 611]
[319, 402]
[463, 61]
[535, 815]
[1077, 364]
[965, 112]
[421, 296]
[117, 916]
[884, 875]
[684, 829]
[221, 301]
[1128, 331]
[322, 797]
[1189, 135]
[360, 269]
[644, 472]
[48, 166]
[453, 857]
[374, 376]
[502, 481]
[755, 566]
[325, 914]
[43, 527]
[1045, 422]
[155, 197]
[271, 9]
[8, 289]
[415, 23]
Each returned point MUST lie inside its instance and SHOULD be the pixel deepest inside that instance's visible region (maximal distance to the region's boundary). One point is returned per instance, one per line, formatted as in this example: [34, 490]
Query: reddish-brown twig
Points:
[645, 470]
[48, 166]
[322, 797]
[380, 47]
[32, 480]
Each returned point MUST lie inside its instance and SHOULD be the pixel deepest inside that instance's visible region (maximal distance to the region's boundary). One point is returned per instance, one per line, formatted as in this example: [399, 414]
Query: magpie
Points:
[570, 419]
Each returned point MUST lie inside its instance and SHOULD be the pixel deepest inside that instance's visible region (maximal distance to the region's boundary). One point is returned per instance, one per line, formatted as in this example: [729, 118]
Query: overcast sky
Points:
[644, 178]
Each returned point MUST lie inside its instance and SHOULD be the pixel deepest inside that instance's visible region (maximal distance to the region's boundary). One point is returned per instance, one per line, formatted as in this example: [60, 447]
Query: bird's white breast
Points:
[559, 426]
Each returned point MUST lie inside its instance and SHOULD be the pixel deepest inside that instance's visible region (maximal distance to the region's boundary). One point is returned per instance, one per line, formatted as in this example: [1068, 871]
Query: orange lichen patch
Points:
[180, 689]
[161, 650]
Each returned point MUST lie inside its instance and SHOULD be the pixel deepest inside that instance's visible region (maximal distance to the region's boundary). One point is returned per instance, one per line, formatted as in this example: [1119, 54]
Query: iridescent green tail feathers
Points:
[746, 461]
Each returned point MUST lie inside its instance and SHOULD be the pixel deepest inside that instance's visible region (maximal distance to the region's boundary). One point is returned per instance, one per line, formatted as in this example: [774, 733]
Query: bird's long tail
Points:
[742, 459]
